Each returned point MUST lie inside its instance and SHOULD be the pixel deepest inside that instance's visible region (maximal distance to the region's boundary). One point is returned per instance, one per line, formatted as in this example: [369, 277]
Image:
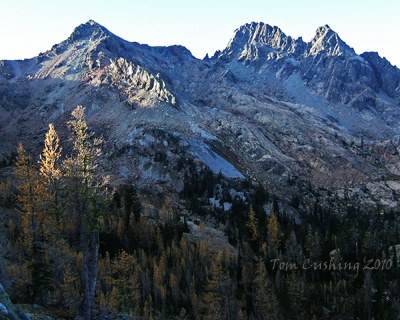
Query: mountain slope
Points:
[271, 108]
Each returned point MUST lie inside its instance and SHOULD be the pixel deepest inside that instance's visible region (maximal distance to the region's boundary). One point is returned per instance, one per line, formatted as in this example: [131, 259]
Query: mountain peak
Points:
[88, 29]
[328, 41]
[324, 28]
[92, 22]
[257, 32]
[256, 39]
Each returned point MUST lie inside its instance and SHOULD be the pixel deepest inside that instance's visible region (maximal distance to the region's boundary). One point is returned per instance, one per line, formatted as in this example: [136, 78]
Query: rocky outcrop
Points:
[7, 309]
[255, 41]
[327, 42]
[327, 65]
[388, 76]
[136, 85]
[5, 70]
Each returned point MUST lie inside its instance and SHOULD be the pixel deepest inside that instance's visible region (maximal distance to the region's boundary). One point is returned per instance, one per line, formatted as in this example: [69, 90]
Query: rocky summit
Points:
[299, 117]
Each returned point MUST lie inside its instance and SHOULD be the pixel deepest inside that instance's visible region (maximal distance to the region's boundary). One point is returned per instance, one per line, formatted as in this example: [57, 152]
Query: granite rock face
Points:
[326, 65]
[388, 76]
[327, 42]
[268, 107]
[255, 41]
[136, 85]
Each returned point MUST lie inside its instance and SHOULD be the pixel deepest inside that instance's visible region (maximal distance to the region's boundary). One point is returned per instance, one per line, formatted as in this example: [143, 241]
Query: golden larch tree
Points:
[274, 233]
[50, 155]
[252, 225]
[27, 182]
[265, 301]
[50, 174]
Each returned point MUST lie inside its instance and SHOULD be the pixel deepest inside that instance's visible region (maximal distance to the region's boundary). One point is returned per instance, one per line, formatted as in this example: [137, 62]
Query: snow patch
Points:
[216, 163]
[236, 194]
[203, 133]
[214, 202]
[227, 206]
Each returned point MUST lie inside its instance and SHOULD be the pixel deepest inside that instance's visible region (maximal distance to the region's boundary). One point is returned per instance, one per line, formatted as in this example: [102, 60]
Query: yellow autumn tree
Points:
[50, 155]
[26, 179]
[212, 300]
[265, 301]
[49, 178]
[125, 280]
[27, 182]
[274, 233]
[252, 225]
[34, 242]
[166, 211]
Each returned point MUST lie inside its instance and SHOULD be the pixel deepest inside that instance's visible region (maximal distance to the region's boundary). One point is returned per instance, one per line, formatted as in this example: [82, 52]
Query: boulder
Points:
[7, 309]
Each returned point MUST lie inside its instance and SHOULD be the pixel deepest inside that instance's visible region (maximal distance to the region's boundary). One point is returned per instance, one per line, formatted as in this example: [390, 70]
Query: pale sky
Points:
[28, 27]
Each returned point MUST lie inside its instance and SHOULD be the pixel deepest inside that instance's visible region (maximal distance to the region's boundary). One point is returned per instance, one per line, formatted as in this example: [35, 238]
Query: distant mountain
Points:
[293, 115]
[327, 65]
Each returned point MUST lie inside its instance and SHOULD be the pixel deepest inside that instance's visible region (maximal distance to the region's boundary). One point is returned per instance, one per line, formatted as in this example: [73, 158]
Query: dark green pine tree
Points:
[41, 273]
[130, 202]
